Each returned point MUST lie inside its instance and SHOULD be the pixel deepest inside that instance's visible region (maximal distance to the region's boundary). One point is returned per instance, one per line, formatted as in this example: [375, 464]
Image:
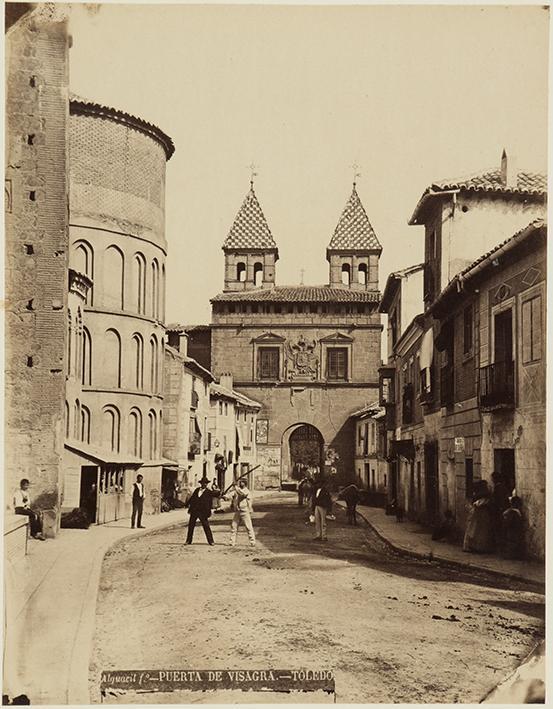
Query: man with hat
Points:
[199, 508]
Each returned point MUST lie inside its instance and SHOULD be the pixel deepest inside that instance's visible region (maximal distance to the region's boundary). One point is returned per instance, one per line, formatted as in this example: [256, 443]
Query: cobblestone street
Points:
[391, 628]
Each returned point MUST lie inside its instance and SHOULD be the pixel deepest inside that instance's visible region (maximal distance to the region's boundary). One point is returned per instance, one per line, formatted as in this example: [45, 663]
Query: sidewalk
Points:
[50, 601]
[51, 605]
[412, 539]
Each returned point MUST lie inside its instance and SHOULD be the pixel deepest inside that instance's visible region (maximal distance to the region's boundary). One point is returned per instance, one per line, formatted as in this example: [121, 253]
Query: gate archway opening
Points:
[302, 448]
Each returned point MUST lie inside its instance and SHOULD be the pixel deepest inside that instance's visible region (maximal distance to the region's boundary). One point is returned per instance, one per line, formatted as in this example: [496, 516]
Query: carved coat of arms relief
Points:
[302, 363]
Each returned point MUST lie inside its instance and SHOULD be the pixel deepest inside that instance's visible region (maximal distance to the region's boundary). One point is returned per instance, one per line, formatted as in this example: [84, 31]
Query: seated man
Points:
[22, 506]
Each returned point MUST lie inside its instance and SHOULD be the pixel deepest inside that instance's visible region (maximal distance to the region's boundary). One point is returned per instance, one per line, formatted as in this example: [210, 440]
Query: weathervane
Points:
[252, 168]
[355, 167]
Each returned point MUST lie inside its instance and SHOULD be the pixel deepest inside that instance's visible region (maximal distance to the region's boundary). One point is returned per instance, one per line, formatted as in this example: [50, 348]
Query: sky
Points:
[411, 94]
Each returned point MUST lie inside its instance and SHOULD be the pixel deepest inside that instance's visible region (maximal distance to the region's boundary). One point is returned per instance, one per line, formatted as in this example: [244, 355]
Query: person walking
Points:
[199, 508]
[242, 506]
[22, 506]
[322, 505]
[351, 498]
[137, 502]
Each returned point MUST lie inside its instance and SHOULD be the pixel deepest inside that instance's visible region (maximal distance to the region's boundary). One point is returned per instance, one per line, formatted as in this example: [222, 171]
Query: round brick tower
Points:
[117, 240]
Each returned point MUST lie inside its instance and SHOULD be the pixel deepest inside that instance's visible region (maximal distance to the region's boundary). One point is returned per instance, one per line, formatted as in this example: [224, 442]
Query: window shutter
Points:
[527, 331]
[536, 328]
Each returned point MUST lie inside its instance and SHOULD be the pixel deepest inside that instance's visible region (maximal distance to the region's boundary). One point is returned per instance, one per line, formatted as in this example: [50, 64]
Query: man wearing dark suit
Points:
[321, 506]
[137, 502]
[199, 508]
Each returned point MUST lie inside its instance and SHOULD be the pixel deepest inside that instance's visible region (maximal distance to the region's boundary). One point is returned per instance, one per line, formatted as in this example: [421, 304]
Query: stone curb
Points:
[444, 560]
[78, 690]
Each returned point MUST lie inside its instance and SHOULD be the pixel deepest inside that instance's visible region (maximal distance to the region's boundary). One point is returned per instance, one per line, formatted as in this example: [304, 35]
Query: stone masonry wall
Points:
[36, 228]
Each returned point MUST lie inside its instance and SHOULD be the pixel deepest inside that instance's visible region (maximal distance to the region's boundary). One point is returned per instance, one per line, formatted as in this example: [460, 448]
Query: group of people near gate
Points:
[202, 502]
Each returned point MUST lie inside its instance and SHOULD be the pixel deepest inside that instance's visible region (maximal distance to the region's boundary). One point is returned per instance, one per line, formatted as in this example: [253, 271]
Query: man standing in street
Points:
[199, 508]
[137, 502]
[22, 506]
[242, 506]
[322, 505]
[351, 498]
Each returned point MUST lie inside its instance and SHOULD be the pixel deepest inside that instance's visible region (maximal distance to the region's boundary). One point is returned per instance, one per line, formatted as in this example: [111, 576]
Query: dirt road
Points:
[392, 629]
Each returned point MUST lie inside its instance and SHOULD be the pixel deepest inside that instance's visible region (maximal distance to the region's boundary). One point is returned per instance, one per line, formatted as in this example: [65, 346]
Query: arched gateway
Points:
[302, 445]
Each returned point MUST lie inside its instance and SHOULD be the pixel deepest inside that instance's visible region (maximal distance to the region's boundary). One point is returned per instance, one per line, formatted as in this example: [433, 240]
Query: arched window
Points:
[161, 365]
[83, 262]
[362, 274]
[78, 343]
[138, 352]
[160, 432]
[114, 271]
[152, 426]
[85, 424]
[241, 272]
[154, 364]
[139, 284]
[112, 359]
[163, 293]
[76, 420]
[135, 433]
[111, 428]
[346, 274]
[69, 344]
[258, 274]
[86, 373]
[66, 420]
[155, 289]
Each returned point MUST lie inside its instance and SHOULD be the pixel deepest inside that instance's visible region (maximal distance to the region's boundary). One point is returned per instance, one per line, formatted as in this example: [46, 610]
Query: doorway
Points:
[431, 481]
[306, 451]
[88, 499]
[504, 463]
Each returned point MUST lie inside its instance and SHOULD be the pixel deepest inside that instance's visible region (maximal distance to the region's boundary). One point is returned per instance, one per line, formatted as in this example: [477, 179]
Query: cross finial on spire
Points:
[355, 167]
[302, 273]
[252, 168]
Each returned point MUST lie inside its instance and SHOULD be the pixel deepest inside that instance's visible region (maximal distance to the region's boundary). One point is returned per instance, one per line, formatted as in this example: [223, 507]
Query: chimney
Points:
[509, 170]
[226, 380]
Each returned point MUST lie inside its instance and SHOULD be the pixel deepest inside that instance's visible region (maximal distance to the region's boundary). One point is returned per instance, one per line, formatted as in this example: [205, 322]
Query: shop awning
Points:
[100, 455]
[405, 448]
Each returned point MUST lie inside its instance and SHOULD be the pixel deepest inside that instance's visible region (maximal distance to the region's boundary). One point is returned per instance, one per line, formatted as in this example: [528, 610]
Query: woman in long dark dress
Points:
[479, 534]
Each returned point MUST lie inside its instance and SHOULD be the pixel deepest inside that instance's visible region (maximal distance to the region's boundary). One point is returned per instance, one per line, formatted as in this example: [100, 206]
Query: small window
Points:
[268, 363]
[241, 272]
[258, 274]
[346, 274]
[362, 274]
[337, 363]
[531, 330]
[468, 330]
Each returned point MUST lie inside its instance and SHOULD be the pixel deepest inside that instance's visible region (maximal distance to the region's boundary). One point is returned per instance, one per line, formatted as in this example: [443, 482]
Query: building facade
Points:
[463, 400]
[371, 465]
[116, 338]
[308, 354]
[36, 252]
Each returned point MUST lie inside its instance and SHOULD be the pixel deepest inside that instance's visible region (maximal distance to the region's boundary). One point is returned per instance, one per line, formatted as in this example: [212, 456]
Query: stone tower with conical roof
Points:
[250, 250]
[354, 249]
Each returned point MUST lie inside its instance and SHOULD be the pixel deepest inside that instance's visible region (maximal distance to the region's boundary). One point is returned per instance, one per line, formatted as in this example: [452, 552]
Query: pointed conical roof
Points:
[354, 231]
[250, 229]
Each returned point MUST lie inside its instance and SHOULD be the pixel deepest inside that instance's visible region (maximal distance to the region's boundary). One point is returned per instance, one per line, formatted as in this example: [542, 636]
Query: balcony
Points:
[407, 404]
[497, 385]
[447, 386]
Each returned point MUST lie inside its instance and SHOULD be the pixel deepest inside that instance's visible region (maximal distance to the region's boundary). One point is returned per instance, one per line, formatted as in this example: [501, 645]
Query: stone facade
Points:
[36, 252]
[308, 355]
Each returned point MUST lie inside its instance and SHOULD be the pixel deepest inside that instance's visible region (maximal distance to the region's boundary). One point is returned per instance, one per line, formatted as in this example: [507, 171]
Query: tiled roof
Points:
[368, 410]
[178, 327]
[354, 231]
[250, 229]
[300, 294]
[83, 107]
[529, 183]
[218, 390]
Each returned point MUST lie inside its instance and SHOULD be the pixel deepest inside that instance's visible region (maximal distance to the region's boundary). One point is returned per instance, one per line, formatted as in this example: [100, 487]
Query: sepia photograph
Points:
[275, 303]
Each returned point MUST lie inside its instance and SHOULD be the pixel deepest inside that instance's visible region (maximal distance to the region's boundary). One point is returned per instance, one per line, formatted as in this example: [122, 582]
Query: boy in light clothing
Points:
[242, 506]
